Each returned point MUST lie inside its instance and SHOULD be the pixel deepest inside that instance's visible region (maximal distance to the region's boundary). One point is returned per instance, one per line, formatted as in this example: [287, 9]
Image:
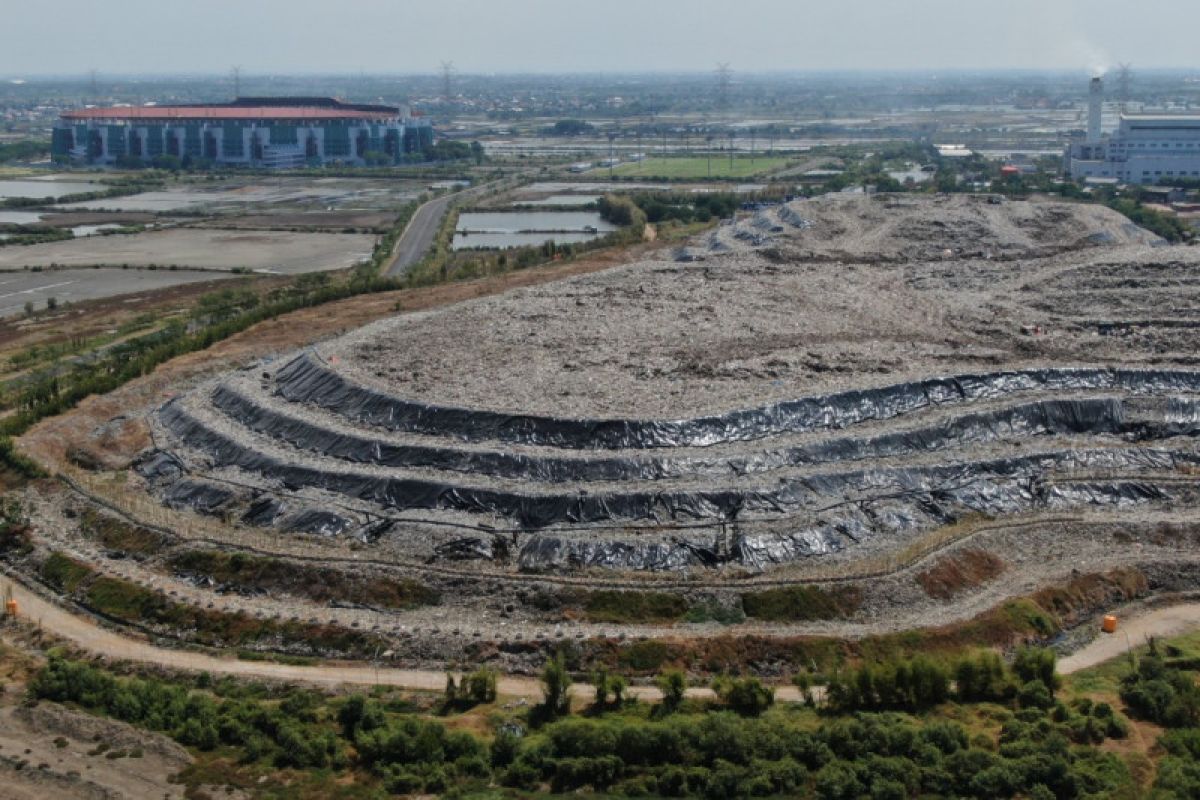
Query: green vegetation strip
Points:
[802, 603]
[247, 572]
[698, 167]
[129, 603]
[118, 535]
[893, 730]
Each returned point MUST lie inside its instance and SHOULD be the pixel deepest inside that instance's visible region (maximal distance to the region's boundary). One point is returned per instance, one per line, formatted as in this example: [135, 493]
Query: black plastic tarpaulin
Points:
[1045, 417]
[306, 380]
[541, 509]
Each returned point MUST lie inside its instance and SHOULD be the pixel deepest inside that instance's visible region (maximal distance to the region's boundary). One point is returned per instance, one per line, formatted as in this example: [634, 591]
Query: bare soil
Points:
[959, 572]
[48, 750]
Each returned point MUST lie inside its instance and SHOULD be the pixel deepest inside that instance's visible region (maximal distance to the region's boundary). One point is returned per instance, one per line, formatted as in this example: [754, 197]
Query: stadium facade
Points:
[278, 132]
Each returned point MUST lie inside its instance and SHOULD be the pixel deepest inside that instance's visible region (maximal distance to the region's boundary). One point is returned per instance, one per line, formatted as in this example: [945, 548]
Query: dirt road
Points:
[81, 631]
[1133, 632]
[100, 641]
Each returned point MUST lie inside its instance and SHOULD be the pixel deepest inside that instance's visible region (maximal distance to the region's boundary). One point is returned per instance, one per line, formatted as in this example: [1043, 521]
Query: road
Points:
[101, 641]
[419, 234]
[88, 635]
[1132, 632]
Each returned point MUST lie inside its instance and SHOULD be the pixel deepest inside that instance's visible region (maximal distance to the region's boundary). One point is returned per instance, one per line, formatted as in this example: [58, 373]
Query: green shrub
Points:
[802, 603]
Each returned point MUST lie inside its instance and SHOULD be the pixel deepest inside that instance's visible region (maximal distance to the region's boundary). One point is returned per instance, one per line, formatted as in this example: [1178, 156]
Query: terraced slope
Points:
[753, 405]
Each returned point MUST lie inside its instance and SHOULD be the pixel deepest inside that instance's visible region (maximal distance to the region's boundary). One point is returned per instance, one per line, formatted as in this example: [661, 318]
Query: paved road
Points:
[418, 236]
[1133, 632]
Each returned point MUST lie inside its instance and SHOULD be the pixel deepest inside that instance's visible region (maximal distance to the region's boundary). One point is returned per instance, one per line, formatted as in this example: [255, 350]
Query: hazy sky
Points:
[407, 36]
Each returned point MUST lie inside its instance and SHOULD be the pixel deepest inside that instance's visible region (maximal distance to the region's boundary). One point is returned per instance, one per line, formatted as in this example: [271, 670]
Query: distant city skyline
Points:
[125, 37]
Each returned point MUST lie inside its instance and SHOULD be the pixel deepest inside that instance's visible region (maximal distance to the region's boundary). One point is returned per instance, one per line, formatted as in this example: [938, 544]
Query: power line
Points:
[724, 78]
[1124, 79]
[447, 79]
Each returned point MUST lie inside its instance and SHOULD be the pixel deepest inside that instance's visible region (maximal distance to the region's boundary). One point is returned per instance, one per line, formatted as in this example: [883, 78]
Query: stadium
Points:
[250, 131]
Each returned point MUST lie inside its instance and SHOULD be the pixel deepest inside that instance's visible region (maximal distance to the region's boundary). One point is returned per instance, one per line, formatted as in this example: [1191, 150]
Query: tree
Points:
[803, 682]
[479, 687]
[477, 152]
[556, 687]
[673, 685]
[747, 696]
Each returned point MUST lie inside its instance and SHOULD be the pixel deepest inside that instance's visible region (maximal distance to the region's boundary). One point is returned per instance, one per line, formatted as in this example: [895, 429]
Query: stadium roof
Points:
[250, 108]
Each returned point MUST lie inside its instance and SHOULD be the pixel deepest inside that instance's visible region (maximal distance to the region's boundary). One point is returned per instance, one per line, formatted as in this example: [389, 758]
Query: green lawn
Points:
[697, 167]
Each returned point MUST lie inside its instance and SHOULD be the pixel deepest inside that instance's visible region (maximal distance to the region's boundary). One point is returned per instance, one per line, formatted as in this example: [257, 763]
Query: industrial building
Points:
[275, 132]
[1143, 149]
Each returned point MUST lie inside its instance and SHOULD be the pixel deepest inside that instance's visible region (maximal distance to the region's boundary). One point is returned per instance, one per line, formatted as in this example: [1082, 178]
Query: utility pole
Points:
[731, 152]
[95, 91]
[612, 135]
[237, 82]
[640, 155]
[724, 77]
[752, 147]
[709, 140]
[1124, 78]
[447, 79]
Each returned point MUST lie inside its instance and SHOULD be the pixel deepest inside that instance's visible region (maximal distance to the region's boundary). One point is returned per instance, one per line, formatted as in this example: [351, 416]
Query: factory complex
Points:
[1145, 149]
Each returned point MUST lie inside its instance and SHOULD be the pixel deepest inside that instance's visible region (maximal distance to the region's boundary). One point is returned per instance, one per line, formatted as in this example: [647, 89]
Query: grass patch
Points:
[958, 572]
[1037, 617]
[712, 611]
[684, 167]
[322, 584]
[802, 603]
[130, 603]
[633, 607]
[645, 656]
[116, 534]
[64, 573]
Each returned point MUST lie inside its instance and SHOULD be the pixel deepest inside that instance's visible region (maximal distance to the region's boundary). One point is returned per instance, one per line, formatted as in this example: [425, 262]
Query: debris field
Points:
[826, 379]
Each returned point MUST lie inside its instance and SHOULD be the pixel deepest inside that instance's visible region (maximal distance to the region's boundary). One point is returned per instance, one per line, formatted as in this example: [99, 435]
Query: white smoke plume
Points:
[1077, 50]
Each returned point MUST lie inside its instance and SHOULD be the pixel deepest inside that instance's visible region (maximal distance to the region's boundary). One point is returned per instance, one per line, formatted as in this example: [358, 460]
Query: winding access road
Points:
[85, 633]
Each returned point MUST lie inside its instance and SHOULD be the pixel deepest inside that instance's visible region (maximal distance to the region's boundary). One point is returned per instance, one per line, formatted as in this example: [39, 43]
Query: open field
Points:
[265, 195]
[697, 167]
[77, 285]
[269, 251]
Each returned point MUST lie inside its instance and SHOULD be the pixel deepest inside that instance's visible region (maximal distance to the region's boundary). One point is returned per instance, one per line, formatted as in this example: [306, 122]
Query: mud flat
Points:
[269, 251]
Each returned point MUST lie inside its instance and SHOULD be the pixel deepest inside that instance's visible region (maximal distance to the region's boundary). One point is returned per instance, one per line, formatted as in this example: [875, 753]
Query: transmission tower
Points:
[1124, 79]
[447, 79]
[724, 78]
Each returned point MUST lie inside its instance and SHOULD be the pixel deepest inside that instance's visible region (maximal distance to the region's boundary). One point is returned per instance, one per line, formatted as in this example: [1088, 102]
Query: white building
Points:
[1143, 149]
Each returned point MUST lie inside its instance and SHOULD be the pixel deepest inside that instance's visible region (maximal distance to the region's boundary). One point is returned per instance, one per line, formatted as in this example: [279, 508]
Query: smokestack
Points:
[1095, 101]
